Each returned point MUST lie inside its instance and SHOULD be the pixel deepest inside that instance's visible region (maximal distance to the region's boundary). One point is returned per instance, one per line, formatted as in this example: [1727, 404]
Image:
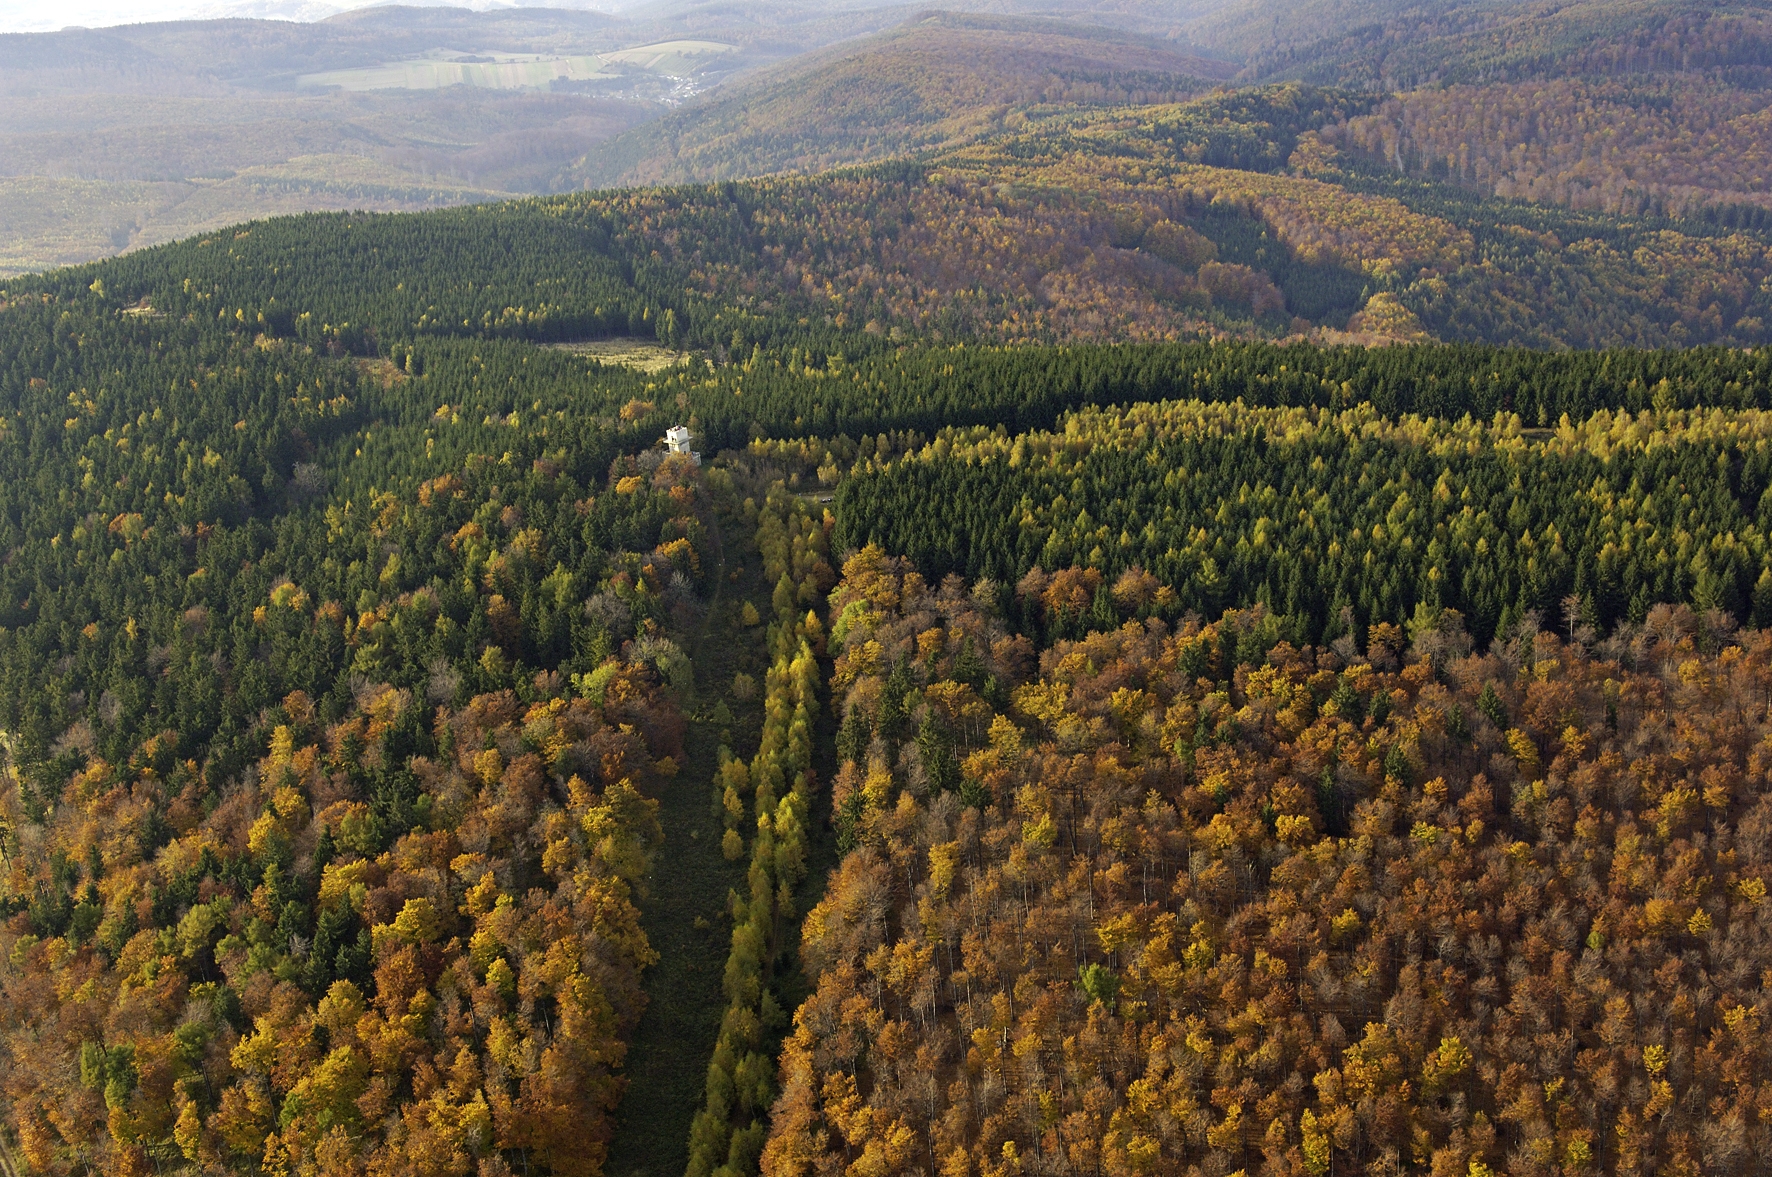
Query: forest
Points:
[1646, 108]
[940, 77]
[1181, 649]
[1226, 217]
[1629, 109]
[1321, 516]
[1609, 146]
[1188, 897]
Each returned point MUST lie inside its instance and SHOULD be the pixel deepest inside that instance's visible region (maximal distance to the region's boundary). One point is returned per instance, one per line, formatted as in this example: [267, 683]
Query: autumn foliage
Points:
[728, 1132]
[385, 950]
[1188, 899]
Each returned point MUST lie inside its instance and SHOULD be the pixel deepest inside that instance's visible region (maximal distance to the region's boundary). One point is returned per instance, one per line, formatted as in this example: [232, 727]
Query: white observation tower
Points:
[677, 439]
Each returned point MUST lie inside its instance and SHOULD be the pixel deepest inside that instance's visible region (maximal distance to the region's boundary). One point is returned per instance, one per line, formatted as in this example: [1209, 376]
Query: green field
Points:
[511, 72]
[672, 58]
[643, 355]
[520, 71]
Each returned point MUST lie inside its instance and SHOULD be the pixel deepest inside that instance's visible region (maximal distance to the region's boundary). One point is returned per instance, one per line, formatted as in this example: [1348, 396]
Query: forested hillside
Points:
[1229, 216]
[1697, 148]
[120, 138]
[942, 78]
[1184, 897]
[1652, 108]
[1228, 746]
[1626, 108]
[1384, 44]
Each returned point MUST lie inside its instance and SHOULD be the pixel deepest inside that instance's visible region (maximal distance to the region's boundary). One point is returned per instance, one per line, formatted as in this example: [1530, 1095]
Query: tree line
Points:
[1332, 520]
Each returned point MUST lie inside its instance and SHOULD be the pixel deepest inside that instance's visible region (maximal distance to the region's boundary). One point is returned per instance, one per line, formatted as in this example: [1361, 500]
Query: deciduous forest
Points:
[1185, 897]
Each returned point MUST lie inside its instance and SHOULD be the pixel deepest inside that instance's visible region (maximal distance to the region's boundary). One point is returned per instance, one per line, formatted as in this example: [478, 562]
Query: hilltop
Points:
[1623, 106]
[941, 79]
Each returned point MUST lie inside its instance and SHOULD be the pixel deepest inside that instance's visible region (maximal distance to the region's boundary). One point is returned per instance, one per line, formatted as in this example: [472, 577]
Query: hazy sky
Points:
[39, 16]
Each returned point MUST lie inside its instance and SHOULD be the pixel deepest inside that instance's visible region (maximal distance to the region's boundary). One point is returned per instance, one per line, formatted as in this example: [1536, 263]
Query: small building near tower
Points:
[677, 439]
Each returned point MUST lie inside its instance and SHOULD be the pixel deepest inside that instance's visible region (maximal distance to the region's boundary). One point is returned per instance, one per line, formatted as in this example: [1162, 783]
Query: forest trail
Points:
[669, 1052]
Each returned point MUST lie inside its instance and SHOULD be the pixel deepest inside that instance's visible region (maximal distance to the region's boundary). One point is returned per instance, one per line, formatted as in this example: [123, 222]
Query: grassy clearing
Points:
[674, 58]
[519, 71]
[685, 910]
[504, 71]
[643, 355]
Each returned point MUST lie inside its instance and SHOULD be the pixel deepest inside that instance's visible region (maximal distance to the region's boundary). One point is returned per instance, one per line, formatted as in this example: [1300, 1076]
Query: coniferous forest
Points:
[1181, 653]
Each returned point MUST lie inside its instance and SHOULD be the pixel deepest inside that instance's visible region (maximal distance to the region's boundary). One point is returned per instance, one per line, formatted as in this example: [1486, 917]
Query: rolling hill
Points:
[1639, 107]
[117, 138]
[1400, 45]
[939, 80]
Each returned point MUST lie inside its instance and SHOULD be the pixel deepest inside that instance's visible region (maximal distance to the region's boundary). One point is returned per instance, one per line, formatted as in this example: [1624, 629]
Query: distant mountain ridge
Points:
[941, 79]
[1675, 94]
[115, 138]
[1392, 45]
